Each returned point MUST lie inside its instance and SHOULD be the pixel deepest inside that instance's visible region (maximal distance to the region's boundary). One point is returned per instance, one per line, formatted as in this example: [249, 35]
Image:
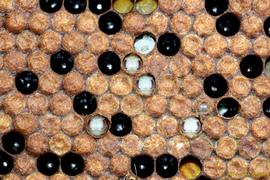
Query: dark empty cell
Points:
[215, 86]
[75, 6]
[6, 163]
[166, 166]
[109, 63]
[228, 107]
[13, 142]
[267, 67]
[266, 107]
[62, 62]
[84, 103]
[26, 82]
[110, 23]
[203, 178]
[266, 26]
[142, 165]
[168, 44]
[121, 124]
[72, 164]
[251, 66]
[228, 24]
[99, 6]
[50, 6]
[48, 164]
[216, 7]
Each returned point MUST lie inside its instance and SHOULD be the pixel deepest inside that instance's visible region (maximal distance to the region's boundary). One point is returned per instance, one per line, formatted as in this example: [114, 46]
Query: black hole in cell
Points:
[203, 178]
[266, 107]
[13, 142]
[110, 23]
[84, 103]
[121, 124]
[228, 107]
[109, 63]
[62, 62]
[251, 66]
[166, 165]
[6, 163]
[267, 67]
[72, 164]
[26, 82]
[142, 165]
[216, 7]
[168, 44]
[215, 86]
[99, 6]
[266, 26]
[50, 6]
[48, 164]
[228, 24]
[75, 6]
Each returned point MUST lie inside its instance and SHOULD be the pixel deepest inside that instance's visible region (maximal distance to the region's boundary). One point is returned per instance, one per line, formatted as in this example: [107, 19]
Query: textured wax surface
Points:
[228, 148]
